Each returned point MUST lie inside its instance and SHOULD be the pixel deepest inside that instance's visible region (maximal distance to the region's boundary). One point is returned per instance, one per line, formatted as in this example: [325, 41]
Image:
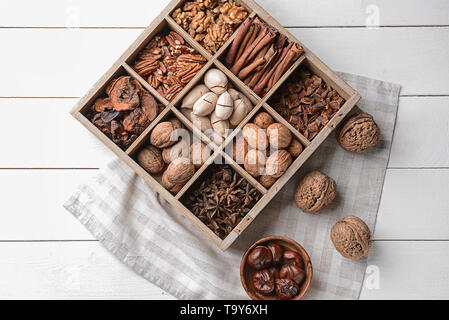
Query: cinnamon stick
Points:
[268, 39]
[250, 68]
[240, 35]
[249, 38]
[289, 59]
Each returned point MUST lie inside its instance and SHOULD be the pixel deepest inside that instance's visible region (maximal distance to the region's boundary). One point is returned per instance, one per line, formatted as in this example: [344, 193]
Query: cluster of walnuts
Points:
[210, 22]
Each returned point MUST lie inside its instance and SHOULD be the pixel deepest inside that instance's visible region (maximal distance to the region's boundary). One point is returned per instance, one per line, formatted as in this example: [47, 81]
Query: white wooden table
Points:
[52, 51]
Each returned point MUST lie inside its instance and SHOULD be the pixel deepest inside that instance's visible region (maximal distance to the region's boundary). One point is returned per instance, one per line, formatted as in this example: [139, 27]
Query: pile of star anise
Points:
[307, 102]
[222, 200]
[125, 112]
[168, 63]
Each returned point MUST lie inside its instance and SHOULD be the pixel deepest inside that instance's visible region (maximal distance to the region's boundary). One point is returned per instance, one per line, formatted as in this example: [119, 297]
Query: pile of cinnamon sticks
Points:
[260, 55]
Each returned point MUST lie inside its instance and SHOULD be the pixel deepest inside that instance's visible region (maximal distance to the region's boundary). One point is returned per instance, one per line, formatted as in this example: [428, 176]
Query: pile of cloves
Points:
[222, 200]
[125, 112]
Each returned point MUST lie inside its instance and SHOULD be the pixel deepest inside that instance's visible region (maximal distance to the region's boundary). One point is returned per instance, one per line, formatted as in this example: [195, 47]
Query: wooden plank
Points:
[407, 270]
[80, 57]
[414, 205]
[69, 270]
[32, 205]
[422, 133]
[84, 13]
[48, 137]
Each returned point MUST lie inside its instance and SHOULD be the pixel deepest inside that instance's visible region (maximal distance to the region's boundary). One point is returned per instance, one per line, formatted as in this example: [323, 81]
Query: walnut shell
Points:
[255, 136]
[263, 120]
[161, 134]
[315, 192]
[295, 148]
[179, 171]
[278, 163]
[358, 133]
[267, 181]
[178, 150]
[351, 237]
[255, 162]
[279, 136]
[150, 159]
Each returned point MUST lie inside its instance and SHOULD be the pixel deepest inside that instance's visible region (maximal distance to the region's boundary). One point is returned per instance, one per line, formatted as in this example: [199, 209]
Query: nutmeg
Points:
[224, 107]
[279, 136]
[179, 171]
[171, 187]
[295, 148]
[351, 237]
[205, 105]
[193, 96]
[178, 150]
[315, 192]
[161, 135]
[268, 181]
[255, 136]
[263, 120]
[150, 159]
[199, 153]
[358, 133]
[278, 163]
[239, 150]
[254, 162]
[216, 81]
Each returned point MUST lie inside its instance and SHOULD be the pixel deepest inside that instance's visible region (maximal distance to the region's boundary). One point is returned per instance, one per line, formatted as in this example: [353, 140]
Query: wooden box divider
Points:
[123, 66]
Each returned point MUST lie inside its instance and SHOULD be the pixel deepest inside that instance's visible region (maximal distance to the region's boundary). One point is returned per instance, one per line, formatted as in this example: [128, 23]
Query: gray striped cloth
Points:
[143, 231]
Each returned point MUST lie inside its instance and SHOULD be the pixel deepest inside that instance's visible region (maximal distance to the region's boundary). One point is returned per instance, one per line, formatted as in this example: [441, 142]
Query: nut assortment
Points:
[210, 22]
[268, 150]
[168, 64]
[222, 199]
[125, 112]
[307, 102]
[214, 107]
[260, 55]
[278, 272]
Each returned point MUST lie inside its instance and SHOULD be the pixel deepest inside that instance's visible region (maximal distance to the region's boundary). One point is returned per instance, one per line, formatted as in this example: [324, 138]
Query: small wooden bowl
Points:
[246, 272]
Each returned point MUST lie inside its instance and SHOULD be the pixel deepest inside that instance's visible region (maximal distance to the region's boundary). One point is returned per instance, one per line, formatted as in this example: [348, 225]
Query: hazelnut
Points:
[179, 171]
[216, 81]
[255, 136]
[286, 289]
[351, 237]
[292, 272]
[150, 159]
[179, 150]
[161, 134]
[279, 136]
[263, 281]
[276, 251]
[199, 153]
[268, 181]
[239, 150]
[263, 120]
[292, 257]
[254, 162]
[193, 96]
[205, 105]
[295, 148]
[278, 163]
[224, 107]
[260, 258]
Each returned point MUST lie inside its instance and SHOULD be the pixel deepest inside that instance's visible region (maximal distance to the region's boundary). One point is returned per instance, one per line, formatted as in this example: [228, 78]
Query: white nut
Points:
[238, 95]
[205, 105]
[225, 106]
[220, 126]
[193, 96]
[187, 113]
[216, 81]
[241, 110]
[202, 123]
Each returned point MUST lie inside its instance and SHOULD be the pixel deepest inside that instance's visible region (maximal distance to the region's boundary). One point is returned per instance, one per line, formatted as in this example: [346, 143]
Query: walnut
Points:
[150, 159]
[279, 136]
[255, 162]
[358, 133]
[295, 148]
[173, 188]
[351, 237]
[278, 163]
[179, 171]
[161, 134]
[178, 150]
[255, 136]
[263, 120]
[315, 192]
